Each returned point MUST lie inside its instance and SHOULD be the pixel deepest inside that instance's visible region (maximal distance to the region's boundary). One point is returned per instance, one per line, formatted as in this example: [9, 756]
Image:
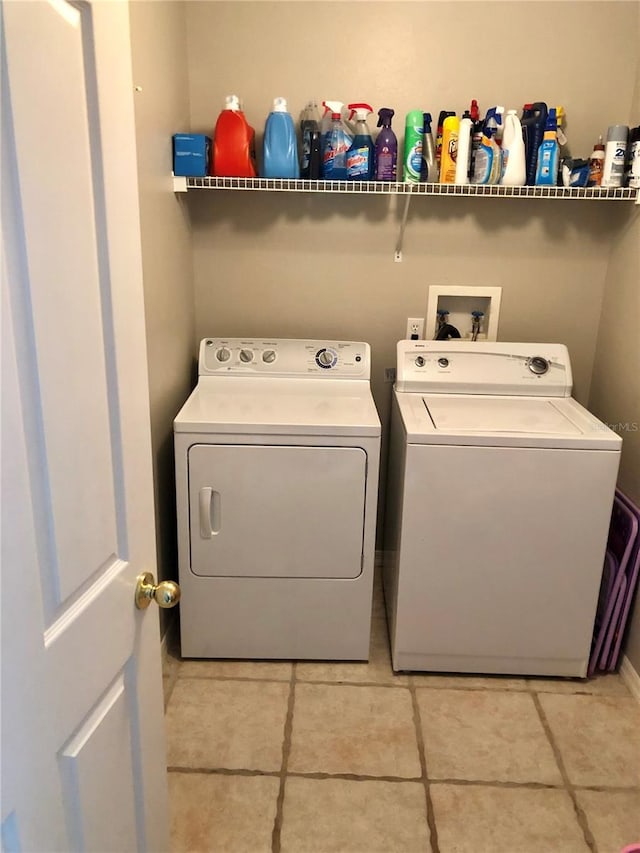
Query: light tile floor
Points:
[342, 758]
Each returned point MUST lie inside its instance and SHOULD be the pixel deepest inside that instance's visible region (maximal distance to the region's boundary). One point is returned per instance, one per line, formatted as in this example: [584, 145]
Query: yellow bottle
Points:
[448, 159]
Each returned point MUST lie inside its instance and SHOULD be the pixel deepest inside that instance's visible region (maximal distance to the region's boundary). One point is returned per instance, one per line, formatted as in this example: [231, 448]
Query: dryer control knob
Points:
[420, 361]
[325, 358]
[269, 356]
[538, 365]
[223, 354]
[246, 356]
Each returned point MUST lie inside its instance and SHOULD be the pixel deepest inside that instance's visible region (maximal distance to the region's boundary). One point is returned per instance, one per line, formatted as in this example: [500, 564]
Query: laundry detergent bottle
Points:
[280, 145]
[514, 165]
[361, 154]
[233, 143]
[534, 119]
[336, 143]
[386, 147]
[548, 154]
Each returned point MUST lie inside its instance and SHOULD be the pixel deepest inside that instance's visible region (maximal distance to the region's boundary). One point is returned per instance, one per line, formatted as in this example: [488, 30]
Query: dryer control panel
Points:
[284, 358]
[484, 367]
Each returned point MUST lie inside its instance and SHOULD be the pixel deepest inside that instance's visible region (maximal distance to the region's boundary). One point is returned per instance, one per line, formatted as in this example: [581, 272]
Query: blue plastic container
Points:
[280, 144]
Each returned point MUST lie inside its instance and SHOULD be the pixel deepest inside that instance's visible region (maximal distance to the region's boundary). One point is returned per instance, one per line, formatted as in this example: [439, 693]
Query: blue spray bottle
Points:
[361, 154]
[488, 161]
[336, 143]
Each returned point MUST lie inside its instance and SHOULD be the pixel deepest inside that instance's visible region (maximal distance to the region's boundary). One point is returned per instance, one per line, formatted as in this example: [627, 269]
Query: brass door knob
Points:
[165, 593]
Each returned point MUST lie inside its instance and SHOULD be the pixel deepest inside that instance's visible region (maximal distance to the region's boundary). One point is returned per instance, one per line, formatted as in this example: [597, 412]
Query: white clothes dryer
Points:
[499, 498]
[277, 453]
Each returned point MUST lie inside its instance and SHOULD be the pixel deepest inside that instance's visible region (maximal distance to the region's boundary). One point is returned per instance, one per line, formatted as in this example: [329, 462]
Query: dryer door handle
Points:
[210, 512]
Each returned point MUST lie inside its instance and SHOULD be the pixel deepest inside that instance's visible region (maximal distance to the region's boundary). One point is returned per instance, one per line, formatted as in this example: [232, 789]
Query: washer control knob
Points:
[443, 362]
[420, 361]
[223, 354]
[269, 356]
[538, 365]
[325, 358]
[246, 356]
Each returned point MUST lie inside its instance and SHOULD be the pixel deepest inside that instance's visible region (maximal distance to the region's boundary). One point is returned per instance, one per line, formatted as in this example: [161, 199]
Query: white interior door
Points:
[83, 762]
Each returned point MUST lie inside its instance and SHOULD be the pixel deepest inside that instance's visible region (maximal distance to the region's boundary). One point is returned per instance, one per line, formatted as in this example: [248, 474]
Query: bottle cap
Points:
[618, 133]
[279, 105]
[232, 102]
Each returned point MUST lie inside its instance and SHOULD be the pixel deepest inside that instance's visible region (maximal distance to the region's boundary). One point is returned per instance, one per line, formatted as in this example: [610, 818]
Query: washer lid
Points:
[482, 420]
[498, 414]
[280, 407]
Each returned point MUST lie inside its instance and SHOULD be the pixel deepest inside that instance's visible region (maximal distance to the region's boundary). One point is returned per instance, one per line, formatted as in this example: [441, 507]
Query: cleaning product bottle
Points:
[614, 155]
[449, 156]
[311, 156]
[361, 154]
[596, 162]
[464, 149]
[413, 146]
[514, 166]
[476, 134]
[386, 147]
[443, 115]
[233, 143]
[493, 121]
[634, 158]
[488, 161]
[548, 154]
[429, 170]
[336, 144]
[534, 119]
[280, 150]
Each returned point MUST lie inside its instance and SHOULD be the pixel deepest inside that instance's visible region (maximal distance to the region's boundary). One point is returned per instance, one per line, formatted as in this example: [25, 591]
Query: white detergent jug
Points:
[514, 167]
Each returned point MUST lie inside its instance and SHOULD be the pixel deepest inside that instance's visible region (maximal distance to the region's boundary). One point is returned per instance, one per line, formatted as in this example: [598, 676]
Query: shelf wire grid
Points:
[302, 185]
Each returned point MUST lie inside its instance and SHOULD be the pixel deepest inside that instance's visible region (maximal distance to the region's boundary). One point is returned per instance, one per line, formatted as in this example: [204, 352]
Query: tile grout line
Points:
[360, 777]
[423, 686]
[286, 749]
[579, 812]
[431, 818]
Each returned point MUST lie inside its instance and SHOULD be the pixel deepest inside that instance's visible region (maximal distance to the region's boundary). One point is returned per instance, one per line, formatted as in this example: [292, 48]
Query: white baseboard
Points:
[630, 677]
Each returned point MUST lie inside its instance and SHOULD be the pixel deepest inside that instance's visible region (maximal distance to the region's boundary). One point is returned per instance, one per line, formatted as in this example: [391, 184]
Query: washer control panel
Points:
[484, 367]
[284, 358]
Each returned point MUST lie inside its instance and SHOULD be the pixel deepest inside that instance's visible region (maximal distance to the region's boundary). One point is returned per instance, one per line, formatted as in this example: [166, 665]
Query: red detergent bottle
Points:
[233, 153]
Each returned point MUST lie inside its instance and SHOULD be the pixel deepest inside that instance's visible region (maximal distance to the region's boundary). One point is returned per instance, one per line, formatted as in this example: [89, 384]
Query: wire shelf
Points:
[398, 188]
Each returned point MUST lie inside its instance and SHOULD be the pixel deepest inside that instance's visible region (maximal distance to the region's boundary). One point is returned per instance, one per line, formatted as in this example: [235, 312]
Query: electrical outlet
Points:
[415, 329]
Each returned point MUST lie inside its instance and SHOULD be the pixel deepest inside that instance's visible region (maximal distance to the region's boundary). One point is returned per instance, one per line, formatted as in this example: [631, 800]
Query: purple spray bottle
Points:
[386, 147]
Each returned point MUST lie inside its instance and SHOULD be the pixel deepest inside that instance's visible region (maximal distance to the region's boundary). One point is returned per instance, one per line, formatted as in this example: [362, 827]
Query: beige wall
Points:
[158, 36]
[615, 391]
[322, 266]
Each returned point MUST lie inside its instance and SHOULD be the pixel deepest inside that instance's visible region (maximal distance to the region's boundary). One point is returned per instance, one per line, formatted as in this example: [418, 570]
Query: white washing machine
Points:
[499, 498]
[277, 453]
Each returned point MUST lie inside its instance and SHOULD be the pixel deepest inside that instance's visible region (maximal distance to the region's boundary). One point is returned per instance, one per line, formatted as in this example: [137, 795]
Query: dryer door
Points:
[272, 511]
